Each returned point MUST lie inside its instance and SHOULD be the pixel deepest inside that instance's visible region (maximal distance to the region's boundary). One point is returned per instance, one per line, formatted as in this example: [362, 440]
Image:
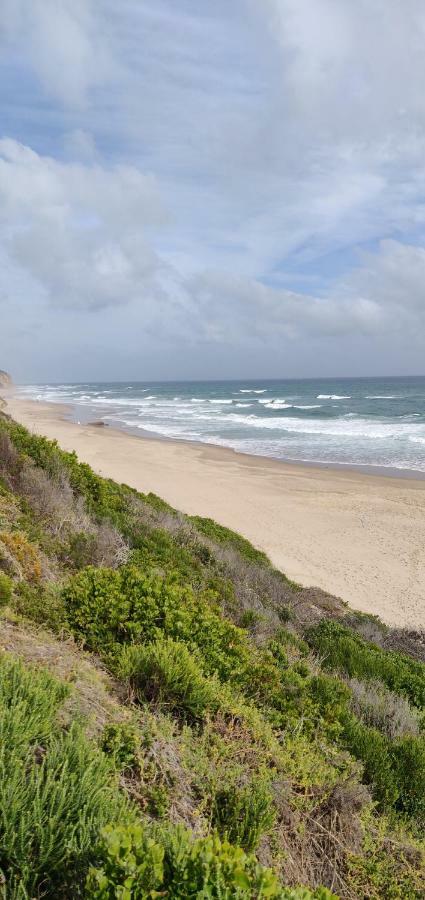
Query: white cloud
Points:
[201, 163]
[79, 230]
[86, 235]
[68, 51]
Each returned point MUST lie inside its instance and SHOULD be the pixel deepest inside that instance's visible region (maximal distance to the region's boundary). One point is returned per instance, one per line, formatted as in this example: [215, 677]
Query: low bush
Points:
[380, 708]
[222, 535]
[23, 552]
[134, 864]
[121, 741]
[408, 754]
[106, 608]
[387, 870]
[56, 790]
[41, 604]
[242, 814]
[6, 589]
[167, 674]
[342, 649]
[374, 750]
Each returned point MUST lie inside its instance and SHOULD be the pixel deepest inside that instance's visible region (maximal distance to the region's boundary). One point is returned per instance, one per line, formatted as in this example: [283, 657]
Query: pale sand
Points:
[361, 537]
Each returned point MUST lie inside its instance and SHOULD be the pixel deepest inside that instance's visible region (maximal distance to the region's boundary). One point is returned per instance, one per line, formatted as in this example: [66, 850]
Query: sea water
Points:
[351, 421]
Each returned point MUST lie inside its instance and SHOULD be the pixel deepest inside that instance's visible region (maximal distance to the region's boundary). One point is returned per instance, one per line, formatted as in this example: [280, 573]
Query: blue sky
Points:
[196, 189]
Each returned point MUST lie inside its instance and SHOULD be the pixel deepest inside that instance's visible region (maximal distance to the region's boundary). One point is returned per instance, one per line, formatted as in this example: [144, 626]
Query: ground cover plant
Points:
[255, 739]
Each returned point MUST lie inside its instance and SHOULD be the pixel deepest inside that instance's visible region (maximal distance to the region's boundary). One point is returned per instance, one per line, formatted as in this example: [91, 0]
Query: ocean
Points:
[349, 421]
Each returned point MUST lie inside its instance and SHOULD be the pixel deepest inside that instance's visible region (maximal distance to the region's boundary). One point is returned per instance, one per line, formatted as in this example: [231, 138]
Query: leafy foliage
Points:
[56, 790]
[244, 813]
[106, 608]
[342, 649]
[248, 734]
[167, 674]
[6, 589]
[136, 865]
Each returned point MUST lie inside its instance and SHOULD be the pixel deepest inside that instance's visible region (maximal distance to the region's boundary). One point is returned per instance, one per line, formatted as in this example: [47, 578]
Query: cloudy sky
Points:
[211, 189]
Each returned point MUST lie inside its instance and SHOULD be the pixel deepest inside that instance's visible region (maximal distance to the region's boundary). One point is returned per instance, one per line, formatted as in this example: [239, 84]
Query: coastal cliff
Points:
[228, 734]
[5, 379]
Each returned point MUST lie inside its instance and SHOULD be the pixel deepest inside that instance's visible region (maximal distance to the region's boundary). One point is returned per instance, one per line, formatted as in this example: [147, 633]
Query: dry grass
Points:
[380, 708]
[95, 695]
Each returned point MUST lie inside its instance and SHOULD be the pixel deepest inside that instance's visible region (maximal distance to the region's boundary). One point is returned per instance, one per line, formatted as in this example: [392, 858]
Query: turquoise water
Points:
[356, 421]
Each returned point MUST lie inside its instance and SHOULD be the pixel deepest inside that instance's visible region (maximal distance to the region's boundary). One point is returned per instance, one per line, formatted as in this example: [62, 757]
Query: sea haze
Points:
[356, 421]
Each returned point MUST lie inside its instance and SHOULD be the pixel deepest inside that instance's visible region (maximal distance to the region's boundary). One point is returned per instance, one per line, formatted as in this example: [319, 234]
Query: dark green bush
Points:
[121, 741]
[80, 550]
[408, 755]
[6, 589]
[56, 790]
[106, 608]
[41, 604]
[342, 649]
[374, 750]
[167, 674]
[331, 696]
[242, 814]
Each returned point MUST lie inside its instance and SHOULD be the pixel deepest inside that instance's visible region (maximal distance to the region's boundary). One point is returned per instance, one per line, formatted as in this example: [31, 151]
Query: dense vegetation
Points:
[180, 720]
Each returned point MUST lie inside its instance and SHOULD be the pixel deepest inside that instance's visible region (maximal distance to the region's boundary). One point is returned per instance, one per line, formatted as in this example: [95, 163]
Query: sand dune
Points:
[359, 536]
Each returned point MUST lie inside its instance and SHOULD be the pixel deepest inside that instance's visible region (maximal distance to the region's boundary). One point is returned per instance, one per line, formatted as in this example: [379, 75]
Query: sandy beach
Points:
[359, 536]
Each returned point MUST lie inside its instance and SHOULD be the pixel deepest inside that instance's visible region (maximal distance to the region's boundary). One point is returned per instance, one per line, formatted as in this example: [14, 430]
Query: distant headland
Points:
[5, 379]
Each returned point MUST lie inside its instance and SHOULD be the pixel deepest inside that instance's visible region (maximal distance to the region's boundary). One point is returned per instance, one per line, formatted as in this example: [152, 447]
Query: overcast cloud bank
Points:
[205, 191]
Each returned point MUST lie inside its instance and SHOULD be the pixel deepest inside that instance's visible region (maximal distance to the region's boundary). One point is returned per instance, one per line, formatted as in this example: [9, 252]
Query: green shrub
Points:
[249, 618]
[342, 649]
[80, 549]
[130, 866]
[41, 603]
[108, 607]
[408, 754]
[6, 589]
[56, 790]
[243, 814]
[222, 535]
[331, 696]
[167, 674]
[121, 741]
[393, 872]
[374, 750]
[136, 865]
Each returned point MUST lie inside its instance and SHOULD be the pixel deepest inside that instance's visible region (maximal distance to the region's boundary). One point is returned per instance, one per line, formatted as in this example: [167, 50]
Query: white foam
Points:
[382, 397]
[108, 401]
[278, 405]
[220, 401]
[338, 427]
[333, 397]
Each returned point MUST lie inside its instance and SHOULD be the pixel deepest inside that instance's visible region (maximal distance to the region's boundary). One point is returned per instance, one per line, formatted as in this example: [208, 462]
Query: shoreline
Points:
[356, 534]
[70, 414]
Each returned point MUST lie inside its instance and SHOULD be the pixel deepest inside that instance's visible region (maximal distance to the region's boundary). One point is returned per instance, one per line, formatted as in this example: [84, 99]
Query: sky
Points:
[197, 189]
